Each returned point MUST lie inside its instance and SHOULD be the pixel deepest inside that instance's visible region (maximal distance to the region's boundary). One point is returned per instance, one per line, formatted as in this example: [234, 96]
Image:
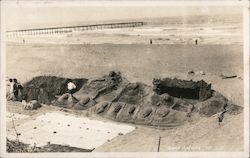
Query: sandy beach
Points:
[164, 47]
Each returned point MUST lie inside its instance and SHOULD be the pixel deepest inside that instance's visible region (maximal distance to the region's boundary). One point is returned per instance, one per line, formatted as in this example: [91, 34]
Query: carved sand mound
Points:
[217, 103]
[84, 104]
[169, 102]
[133, 93]
[140, 114]
[104, 88]
[46, 88]
[66, 100]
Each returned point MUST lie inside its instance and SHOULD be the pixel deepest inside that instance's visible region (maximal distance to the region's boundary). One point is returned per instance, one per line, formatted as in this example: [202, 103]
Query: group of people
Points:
[42, 92]
[15, 90]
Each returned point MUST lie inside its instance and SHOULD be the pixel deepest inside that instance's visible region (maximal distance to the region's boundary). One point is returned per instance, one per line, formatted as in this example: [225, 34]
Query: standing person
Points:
[11, 96]
[19, 95]
[71, 86]
[15, 89]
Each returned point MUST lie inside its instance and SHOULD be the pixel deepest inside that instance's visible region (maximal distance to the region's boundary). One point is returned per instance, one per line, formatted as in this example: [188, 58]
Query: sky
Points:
[40, 17]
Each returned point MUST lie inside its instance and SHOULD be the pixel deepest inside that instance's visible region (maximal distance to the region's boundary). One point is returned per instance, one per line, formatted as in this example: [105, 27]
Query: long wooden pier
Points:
[62, 30]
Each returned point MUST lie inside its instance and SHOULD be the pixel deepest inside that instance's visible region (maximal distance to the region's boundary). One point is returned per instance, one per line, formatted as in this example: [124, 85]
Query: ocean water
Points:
[205, 29]
[178, 34]
[163, 34]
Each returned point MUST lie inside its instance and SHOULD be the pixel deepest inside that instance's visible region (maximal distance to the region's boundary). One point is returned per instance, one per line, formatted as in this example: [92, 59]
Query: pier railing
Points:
[62, 30]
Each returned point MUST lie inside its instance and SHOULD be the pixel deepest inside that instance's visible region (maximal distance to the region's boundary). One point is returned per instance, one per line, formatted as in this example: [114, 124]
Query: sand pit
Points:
[183, 88]
[65, 129]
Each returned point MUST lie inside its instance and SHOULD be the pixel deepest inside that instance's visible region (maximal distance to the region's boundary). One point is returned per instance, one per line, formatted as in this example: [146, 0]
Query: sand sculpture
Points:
[45, 89]
[169, 102]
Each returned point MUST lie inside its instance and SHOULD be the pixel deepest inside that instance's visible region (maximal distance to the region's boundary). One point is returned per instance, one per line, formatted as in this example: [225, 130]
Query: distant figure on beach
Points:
[196, 41]
[23, 41]
[71, 86]
[151, 41]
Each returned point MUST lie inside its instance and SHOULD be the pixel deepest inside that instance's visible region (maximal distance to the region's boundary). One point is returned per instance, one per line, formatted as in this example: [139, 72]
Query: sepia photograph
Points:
[99, 78]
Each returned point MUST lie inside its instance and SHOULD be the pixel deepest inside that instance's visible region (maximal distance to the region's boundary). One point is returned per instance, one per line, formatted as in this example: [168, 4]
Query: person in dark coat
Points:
[15, 89]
